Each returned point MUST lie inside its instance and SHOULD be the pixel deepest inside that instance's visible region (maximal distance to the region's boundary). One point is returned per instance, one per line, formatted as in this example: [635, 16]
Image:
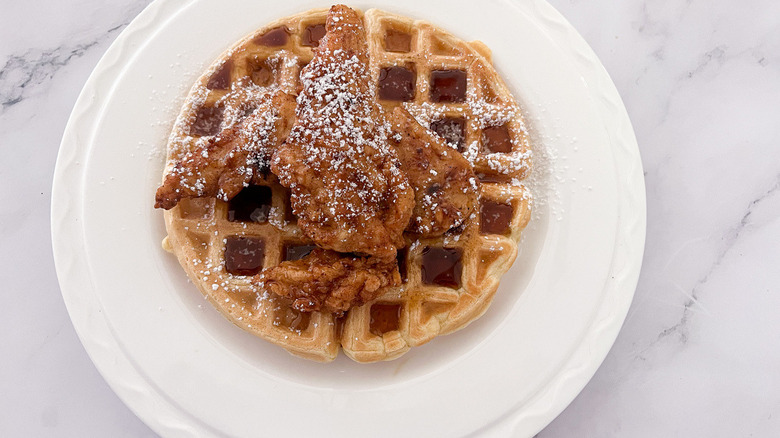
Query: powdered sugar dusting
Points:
[425, 113]
[335, 112]
[482, 114]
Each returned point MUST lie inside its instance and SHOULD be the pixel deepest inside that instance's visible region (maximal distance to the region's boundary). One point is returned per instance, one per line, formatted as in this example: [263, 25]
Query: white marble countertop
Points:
[698, 356]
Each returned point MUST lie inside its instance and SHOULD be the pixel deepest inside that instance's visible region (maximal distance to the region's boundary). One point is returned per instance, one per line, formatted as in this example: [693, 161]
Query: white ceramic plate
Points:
[186, 371]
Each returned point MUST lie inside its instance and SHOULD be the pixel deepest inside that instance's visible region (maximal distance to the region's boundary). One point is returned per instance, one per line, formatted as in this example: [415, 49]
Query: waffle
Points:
[448, 86]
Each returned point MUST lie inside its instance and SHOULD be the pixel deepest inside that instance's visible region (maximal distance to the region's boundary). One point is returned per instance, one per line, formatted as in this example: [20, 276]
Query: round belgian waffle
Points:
[451, 88]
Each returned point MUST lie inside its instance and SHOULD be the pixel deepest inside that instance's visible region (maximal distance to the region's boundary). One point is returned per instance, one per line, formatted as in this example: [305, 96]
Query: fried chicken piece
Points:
[348, 190]
[328, 281]
[445, 187]
[226, 163]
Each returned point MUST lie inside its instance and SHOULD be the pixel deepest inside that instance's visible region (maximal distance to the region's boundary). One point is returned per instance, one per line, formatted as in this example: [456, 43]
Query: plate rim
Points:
[101, 345]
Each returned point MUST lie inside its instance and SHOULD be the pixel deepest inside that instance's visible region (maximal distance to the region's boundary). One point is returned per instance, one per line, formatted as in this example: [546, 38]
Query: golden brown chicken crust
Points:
[348, 190]
[445, 187]
[227, 163]
[328, 281]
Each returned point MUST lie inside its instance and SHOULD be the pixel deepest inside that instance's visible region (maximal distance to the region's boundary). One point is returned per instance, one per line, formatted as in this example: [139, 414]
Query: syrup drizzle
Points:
[396, 41]
[451, 129]
[495, 218]
[252, 204]
[496, 139]
[220, 80]
[208, 120]
[275, 37]
[313, 34]
[244, 255]
[397, 83]
[442, 266]
[448, 86]
[293, 319]
[294, 252]
[384, 318]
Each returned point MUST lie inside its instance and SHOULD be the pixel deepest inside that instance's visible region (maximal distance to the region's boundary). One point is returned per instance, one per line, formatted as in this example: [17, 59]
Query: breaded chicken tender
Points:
[225, 164]
[328, 281]
[348, 189]
[445, 187]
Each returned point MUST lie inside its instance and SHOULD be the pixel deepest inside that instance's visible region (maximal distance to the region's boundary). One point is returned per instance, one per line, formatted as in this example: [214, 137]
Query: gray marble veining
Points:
[24, 71]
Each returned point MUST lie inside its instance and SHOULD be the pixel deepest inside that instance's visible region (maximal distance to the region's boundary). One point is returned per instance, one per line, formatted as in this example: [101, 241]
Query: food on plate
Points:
[348, 180]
